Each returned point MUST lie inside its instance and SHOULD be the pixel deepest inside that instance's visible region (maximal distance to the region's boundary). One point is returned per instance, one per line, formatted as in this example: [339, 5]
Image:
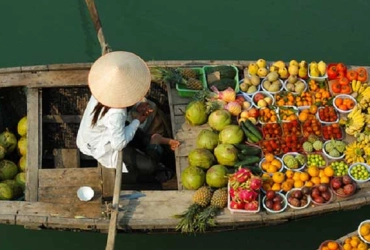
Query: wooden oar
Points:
[112, 231]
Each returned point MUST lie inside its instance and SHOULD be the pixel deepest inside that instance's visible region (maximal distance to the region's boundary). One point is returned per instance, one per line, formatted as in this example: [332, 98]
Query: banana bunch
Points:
[355, 85]
[362, 137]
[356, 152]
[355, 121]
[363, 91]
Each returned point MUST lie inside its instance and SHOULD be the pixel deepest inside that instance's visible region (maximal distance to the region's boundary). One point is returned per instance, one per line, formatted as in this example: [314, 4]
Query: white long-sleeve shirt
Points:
[107, 137]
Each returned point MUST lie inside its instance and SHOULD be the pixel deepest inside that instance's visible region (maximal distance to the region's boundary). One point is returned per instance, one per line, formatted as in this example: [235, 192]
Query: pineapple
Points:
[188, 73]
[193, 83]
[188, 220]
[202, 196]
[218, 202]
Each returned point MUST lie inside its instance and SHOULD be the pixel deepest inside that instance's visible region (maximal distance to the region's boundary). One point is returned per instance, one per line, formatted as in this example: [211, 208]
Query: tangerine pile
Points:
[365, 231]
[354, 243]
[270, 164]
[297, 179]
[344, 103]
[330, 245]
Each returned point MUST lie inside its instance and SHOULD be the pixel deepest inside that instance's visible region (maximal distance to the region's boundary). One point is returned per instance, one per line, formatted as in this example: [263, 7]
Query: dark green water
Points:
[48, 32]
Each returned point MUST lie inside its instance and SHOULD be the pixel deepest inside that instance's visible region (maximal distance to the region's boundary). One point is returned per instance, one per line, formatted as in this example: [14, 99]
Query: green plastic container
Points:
[236, 78]
[188, 93]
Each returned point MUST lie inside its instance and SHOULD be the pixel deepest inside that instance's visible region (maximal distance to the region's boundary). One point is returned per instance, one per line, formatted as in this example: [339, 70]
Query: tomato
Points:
[341, 67]
[341, 74]
[332, 72]
[352, 74]
[343, 81]
[336, 87]
[362, 74]
[345, 89]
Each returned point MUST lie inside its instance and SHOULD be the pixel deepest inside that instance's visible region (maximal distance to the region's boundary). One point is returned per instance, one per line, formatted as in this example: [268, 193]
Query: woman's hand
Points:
[142, 115]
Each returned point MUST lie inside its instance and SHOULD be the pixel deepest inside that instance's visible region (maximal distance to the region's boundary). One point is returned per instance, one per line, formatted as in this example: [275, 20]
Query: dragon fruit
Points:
[227, 95]
[248, 195]
[251, 206]
[255, 183]
[240, 177]
[237, 204]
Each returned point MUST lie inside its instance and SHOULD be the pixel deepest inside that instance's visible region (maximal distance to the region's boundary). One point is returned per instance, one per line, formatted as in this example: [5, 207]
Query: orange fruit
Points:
[303, 116]
[276, 163]
[313, 109]
[321, 173]
[286, 186]
[315, 180]
[324, 179]
[308, 184]
[338, 101]
[304, 176]
[367, 237]
[332, 245]
[296, 176]
[291, 181]
[365, 230]
[362, 246]
[276, 187]
[347, 246]
[264, 165]
[313, 171]
[271, 169]
[298, 184]
[289, 173]
[278, 177]
[325, 248]
[269, 157]
[329, 171]
[354, 243]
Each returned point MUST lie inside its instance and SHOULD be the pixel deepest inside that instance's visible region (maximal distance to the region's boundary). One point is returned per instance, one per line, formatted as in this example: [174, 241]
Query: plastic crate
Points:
[236, 78]
[183, 91]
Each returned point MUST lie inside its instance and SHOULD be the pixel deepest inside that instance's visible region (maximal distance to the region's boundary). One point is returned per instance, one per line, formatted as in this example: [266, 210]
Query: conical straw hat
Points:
[119, 79]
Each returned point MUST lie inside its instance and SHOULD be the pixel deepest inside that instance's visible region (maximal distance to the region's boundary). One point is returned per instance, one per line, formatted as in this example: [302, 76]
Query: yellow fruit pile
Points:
[365, 231]
[296, 179]
[354, 243]
[330, 245]
[270, 164]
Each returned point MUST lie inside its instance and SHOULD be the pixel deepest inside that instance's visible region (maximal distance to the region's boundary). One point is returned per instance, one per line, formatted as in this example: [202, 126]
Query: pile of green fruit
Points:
[12, 175]
[340, 168]
[360, 172]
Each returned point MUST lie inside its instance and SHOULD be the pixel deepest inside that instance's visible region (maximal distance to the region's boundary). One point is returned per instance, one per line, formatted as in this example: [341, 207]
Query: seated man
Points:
[149, 140]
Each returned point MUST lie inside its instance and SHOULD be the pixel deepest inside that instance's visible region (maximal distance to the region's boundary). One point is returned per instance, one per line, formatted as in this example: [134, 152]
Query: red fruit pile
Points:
[321, 194]
[343, 186]
[298, 198]
[274, 201]
[328, 114]
[271, 130]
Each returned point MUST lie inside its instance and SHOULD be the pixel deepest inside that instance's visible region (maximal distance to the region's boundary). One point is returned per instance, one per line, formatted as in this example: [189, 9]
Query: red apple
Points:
[258, 96]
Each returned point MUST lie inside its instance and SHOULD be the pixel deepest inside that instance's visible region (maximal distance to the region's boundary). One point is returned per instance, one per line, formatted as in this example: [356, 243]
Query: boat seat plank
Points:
[69, 177]
[67, 195]
[61, 185]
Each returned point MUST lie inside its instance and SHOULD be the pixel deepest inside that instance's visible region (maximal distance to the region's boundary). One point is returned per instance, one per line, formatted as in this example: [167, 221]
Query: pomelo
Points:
[8, 170]
[16, 188]
[20, 178]
[217, 176]
[8, 140]
[2, 152]
[6, 192]
[193, 178]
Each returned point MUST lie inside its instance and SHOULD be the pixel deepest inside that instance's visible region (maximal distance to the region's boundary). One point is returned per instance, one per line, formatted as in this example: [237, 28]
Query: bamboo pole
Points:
[112, 230]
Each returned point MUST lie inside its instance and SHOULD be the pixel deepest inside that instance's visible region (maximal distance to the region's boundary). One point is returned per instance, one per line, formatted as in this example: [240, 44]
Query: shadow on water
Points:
[302, 234]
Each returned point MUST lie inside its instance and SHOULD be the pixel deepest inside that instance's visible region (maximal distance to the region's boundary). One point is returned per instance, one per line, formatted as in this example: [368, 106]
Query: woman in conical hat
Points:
[117, 80]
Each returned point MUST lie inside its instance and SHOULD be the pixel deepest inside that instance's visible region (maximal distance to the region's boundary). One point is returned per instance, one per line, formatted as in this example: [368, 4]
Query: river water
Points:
[48, 32]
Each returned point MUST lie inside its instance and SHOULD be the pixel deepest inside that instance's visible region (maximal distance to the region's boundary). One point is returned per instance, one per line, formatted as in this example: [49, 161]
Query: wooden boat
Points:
[55, 99]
